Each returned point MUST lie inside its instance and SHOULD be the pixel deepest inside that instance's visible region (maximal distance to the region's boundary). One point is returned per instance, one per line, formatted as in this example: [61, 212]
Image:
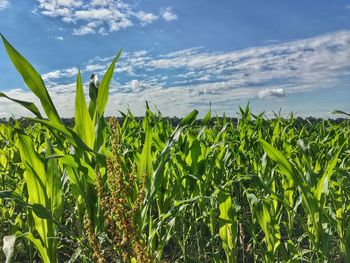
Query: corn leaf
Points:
[53, 183]
[35, 179]
[103, 90]
[189, 118]
[69, 134]
[36, 242]
[341, 112]
[145, 165]
[322, 185]
[33, 80]
[277, 156]
[83, 124]
[206, 118]
[28, 105]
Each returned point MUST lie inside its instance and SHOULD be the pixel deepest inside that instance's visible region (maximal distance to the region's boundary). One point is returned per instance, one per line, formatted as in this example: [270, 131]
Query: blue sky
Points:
[181, 55]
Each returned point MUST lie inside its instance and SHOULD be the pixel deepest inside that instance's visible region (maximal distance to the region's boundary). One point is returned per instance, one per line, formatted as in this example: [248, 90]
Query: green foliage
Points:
[257, 190]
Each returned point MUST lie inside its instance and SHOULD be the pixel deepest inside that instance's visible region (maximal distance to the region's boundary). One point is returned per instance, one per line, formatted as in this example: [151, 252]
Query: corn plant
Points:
[249, 189]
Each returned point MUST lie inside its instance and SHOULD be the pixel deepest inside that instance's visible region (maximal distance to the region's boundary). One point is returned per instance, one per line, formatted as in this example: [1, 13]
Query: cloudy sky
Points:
[183, 55]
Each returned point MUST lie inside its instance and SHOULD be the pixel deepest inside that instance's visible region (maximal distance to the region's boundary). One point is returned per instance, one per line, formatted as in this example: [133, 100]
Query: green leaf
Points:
[53, 182]
[8, 194]
[33, 80]
[146, 155]
[34, 178]
[31, 158]
[29, 105]
[41, 211]
[189, 118]
[36, 242]
[84, 126]
[38, 209]
[206, 118]
[103, 90]
[322, 185]
[225, 208]
[228, 226]
[100, 133]
[78, 164]
[69, 134]
[341, 112]
[277, 156]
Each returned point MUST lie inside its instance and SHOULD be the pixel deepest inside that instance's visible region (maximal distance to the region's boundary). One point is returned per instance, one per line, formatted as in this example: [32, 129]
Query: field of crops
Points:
[256, 190]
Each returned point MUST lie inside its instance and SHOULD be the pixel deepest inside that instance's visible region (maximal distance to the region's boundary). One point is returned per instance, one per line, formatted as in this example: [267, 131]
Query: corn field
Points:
[210, 190]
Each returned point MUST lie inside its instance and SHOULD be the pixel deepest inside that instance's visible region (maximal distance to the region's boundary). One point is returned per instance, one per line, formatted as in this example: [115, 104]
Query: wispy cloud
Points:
[146, 18]
[65, 73]
[99, 17]
[179, 81]
[4, 4]
[59, 38]
[168, 14]
[272, 93]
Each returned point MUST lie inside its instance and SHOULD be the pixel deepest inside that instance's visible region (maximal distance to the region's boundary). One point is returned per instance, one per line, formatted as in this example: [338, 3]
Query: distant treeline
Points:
[175, 120]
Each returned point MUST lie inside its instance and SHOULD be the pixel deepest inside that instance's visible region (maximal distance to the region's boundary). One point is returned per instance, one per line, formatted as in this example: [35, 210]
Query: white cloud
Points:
[117, 25]
[136, 86]
[108, 15]
[52, 75]
[65, 73]
[179, 81]
[96, 14]
[84, 30]
[168, 14]
[59, 38]
[140, 53]
[99, 2]
[93, 68]
[69, 3]
[146, 18]
[272, 93]
[4, 4]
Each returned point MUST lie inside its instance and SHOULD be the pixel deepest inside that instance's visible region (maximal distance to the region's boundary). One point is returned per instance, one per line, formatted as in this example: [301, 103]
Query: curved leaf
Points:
[69, 134]
[278, 157]
[145, 165]
[29, 105]
[33, 80]
[189, 118]
[36, 242]
[103, 90]
[341, 112]
[83, 124]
